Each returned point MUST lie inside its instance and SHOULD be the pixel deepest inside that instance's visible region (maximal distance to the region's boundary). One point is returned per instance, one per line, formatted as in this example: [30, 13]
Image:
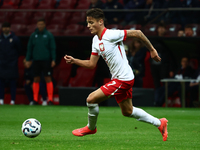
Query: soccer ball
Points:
[31, 128]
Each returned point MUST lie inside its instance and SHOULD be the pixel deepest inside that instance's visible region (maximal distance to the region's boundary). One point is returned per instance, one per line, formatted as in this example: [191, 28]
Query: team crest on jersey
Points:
[101, 47]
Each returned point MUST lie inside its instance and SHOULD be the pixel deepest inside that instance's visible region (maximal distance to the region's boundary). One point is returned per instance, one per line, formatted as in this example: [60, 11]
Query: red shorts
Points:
[118, 88]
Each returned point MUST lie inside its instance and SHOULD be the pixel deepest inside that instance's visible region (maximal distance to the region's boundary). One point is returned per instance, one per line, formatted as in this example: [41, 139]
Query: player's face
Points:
[93, 25]
[6, 30]
[161, 31]
[40, 25]
[188, 32]
[184, 62]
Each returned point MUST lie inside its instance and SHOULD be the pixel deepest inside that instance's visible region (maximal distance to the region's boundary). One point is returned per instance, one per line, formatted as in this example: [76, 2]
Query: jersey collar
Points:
[104, 30]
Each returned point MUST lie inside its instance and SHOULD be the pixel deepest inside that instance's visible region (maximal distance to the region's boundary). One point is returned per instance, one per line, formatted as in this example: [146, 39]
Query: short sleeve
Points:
[117, 35]
[94, 49]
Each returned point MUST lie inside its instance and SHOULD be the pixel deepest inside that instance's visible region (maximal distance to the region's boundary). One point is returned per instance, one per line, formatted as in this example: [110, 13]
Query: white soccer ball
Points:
[31, 128]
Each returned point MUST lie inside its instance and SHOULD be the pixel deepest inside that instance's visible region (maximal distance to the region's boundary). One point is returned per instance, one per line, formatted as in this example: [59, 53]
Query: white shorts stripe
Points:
[114, 91]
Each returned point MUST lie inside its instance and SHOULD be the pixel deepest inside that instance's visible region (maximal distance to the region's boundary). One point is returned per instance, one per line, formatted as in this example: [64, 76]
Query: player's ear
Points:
[101, 22]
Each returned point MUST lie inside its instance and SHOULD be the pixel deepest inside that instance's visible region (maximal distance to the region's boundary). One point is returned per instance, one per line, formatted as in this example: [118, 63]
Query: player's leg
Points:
[29, 91]
[2, 88]
[36, 86]
[13, 87]
[93, 110]
[50, 88]
[48, 80]
[129, 110]
[43, 92]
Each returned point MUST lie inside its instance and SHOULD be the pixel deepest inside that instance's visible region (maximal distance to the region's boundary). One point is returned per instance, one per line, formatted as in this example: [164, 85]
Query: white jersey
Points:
[111, 48]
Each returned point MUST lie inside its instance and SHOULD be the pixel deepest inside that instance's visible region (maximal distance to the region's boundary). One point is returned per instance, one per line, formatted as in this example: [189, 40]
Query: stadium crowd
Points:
[121, 13]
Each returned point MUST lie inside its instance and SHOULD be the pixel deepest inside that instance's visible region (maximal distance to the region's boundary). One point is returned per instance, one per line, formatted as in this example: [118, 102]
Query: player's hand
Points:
[69, 59]
[154, 55]
[27, 64]
[53, 63]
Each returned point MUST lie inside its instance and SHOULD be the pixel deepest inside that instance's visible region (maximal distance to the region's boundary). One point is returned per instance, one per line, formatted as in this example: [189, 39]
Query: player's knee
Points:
[47, 79]
[36, 79]
[90, 99]
[126, 113]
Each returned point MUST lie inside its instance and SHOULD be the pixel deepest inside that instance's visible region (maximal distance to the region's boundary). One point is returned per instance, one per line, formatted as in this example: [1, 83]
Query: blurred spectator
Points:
[194, 88]
[165, 68]
[96, 4]
[161, 29]
[180, 33]
[187, 16]
[188, 32]
[180, 17]
[10, 48]
[184, 72]
[42, 51]
[150, 15]
[171, 16]
[163, 5]
[113, 17]
[28, 76]
[136, 61]
[133, 17]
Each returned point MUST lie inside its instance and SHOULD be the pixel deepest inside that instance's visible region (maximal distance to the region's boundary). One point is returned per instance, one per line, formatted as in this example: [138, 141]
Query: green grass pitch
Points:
[114, 132]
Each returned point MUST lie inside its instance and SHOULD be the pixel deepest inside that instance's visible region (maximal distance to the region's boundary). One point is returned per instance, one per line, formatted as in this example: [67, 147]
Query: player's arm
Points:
[91, 63]
[139, 35]
[29, 56]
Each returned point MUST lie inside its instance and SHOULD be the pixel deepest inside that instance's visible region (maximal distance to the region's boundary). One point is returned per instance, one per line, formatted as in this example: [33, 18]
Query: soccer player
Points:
[109, 44]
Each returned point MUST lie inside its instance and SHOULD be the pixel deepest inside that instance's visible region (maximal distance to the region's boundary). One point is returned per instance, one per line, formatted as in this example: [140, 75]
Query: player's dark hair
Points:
[162, 24]
[41, 19]
[185, 56]
[188, 26]
[6, 24]
[96, 13]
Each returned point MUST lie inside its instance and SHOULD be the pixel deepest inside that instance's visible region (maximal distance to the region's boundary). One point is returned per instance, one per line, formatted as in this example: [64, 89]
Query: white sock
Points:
[12, 102]
[141, 115]
[93, 111]
[1, 102]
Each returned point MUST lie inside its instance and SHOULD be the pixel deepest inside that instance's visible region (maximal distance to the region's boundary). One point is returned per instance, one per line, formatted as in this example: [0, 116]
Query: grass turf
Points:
[115, 132]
